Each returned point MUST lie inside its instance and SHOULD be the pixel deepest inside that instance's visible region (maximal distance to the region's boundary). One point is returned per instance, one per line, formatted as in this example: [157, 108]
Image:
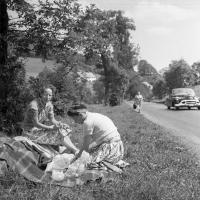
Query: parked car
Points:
[182, 97]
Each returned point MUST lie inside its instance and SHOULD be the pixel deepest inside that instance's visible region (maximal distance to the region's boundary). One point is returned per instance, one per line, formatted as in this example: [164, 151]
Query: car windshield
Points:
[183, 91]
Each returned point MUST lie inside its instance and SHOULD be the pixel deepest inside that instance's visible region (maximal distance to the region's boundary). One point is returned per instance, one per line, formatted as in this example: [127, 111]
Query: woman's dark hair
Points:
[74, 109]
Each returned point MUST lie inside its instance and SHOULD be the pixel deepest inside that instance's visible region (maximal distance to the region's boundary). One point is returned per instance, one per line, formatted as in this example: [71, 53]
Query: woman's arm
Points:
[51, 115]
[68, 143]
[85, 147]
[87, 131]
[37, 123]
[53, 120]
[86, 142]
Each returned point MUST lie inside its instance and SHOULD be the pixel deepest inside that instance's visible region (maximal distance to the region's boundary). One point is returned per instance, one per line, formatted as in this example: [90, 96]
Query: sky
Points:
[166, 30]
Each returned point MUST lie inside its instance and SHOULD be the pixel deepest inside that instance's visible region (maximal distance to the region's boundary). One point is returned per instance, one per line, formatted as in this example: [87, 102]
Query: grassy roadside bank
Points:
[161, 168]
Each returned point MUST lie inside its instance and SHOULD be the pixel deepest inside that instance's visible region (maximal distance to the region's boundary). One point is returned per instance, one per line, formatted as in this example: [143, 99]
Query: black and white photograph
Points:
[99, 100]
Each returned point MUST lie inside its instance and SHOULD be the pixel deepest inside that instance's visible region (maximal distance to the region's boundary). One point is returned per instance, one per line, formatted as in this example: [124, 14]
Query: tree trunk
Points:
[105, 63]
[3, 32]
[3, 50]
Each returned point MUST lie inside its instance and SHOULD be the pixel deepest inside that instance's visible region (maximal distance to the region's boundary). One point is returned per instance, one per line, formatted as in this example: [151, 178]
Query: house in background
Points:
[89, 76]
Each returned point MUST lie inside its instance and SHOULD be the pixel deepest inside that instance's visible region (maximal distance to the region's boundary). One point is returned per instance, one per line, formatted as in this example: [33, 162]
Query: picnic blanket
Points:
[27, 158]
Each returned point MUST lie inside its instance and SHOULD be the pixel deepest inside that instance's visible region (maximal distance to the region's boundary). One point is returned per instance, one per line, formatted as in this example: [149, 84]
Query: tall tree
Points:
[3, 48]
[3, 32]
[124, 51]
[196, 69]
[135, 80]
[13, 93]
[118, 79]
[102, 36]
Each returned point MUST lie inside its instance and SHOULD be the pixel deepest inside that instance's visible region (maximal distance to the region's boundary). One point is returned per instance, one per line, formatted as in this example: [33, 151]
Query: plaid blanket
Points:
[24, 156]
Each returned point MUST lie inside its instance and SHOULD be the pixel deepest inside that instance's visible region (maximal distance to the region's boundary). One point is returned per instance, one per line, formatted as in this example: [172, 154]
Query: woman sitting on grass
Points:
[38, 112]
[101, 138]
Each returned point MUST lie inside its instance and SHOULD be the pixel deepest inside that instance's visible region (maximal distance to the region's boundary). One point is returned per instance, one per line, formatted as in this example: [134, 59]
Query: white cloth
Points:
[60, 162]
[61, 168]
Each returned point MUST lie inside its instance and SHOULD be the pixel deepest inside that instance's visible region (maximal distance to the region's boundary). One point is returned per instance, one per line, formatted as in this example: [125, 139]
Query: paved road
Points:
[181, 122]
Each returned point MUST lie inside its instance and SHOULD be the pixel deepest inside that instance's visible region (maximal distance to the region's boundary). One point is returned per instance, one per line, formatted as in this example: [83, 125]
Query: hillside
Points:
[34, 66]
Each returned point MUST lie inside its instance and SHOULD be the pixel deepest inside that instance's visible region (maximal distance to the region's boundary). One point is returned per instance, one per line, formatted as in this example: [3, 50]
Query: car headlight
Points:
[177, 100]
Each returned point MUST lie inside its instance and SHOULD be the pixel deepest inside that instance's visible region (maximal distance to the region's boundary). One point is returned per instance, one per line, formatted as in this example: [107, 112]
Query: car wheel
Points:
[168, 107]
[198, 108]
[177, 108]
[189, 107]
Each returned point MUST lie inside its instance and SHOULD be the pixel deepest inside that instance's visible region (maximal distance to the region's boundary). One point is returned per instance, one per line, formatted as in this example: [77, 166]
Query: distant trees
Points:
[196, 69]
[159, 89]
[118, 79]
[142, 80]
[196, 66]
[146, 69]
[180, 74]
[135, 81]
[148, 72]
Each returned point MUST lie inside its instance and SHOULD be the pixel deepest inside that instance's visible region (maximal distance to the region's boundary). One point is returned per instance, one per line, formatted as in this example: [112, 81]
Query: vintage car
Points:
[182, 97]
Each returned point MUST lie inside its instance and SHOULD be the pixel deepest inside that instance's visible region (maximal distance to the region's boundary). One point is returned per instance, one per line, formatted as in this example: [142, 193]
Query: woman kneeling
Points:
[101, 138]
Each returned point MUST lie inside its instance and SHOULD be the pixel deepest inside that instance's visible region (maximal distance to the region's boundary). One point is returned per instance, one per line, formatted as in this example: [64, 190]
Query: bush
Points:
[114, 100]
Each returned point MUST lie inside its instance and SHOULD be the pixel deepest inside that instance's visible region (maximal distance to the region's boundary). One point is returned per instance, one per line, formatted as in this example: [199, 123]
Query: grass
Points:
[161, 167]
[34, 66]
